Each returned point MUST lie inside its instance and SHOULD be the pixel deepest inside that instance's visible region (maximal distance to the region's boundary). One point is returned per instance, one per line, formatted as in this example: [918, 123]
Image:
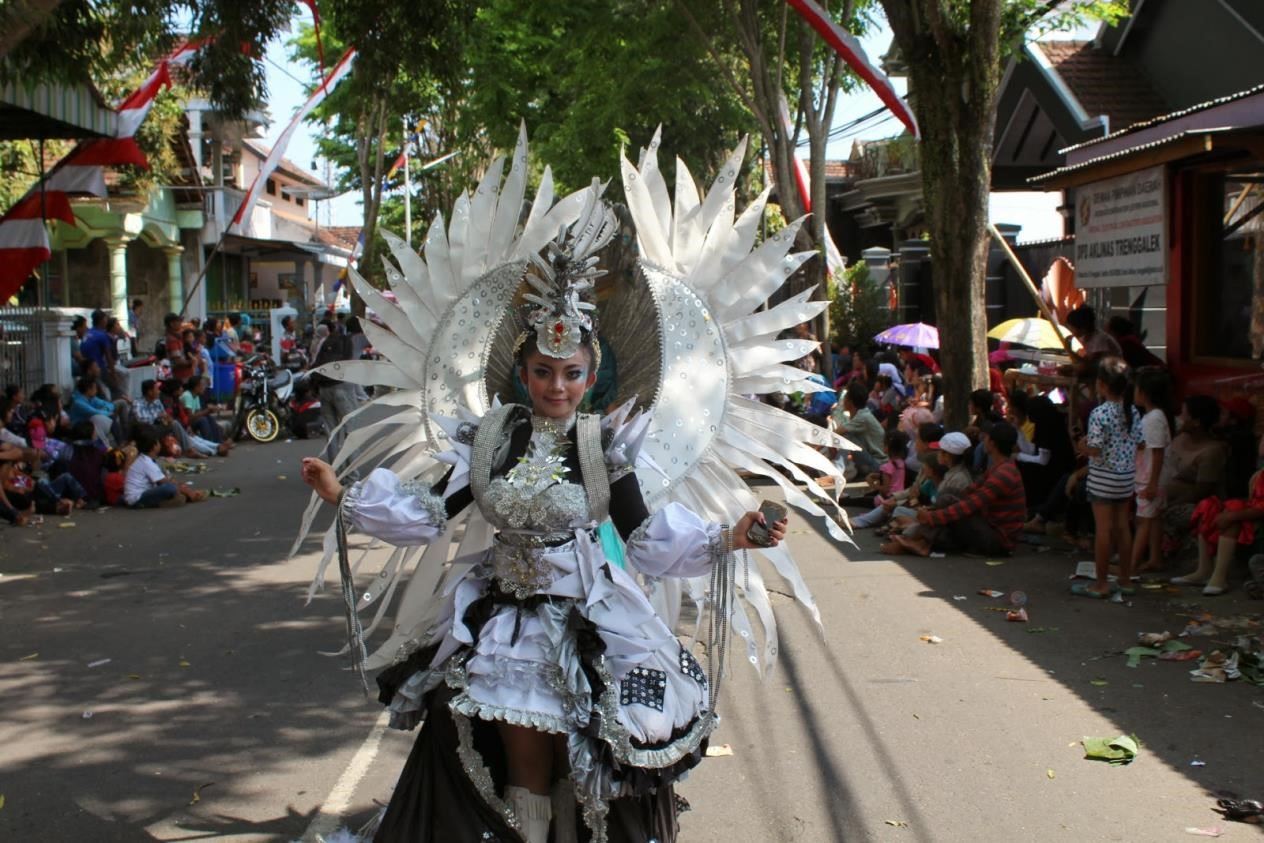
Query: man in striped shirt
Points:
[989, 516]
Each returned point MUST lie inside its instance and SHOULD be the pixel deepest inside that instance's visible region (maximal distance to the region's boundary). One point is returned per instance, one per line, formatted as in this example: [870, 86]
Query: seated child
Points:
[147, 486]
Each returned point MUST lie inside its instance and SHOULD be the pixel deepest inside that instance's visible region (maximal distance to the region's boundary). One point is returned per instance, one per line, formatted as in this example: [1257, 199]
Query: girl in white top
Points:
[1152, 393]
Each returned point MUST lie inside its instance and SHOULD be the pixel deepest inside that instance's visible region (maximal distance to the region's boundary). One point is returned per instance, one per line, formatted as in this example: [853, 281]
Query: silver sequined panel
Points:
[556, 508]
[695, 380]
[644, 686]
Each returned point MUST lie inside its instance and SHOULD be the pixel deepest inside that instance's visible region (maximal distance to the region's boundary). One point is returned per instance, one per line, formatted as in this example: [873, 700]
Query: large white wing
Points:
[708, 278]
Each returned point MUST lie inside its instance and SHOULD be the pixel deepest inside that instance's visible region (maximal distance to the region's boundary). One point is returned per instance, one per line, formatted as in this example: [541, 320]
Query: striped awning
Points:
[48, 110]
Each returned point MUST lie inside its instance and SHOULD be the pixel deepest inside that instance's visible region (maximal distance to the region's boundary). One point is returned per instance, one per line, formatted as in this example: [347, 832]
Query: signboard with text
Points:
[1121, 231]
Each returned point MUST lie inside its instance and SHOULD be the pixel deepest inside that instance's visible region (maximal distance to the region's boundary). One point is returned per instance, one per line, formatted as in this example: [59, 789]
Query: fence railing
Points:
[22, 345]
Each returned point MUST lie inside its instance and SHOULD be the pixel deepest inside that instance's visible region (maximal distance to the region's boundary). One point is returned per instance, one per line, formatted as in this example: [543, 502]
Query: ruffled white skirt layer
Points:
[524, 668]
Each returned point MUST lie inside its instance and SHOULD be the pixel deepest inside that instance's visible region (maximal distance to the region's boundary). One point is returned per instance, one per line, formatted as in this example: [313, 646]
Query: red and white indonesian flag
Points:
[24, 241]
[834, 261]
[849, 48]
[340, 70]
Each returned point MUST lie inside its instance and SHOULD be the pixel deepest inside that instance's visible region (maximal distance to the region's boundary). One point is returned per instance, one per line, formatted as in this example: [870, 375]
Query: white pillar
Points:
[56, 336]
[118, 279]
[175, 277]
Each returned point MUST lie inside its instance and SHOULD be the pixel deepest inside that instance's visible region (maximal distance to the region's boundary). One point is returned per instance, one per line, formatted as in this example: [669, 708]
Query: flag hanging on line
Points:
[24, 242]
[849, 48]
[351, 262]
[834, 261]
[341, 69]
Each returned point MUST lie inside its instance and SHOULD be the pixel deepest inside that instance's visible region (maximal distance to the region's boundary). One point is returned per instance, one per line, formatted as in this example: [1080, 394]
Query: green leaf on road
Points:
[1115, 751]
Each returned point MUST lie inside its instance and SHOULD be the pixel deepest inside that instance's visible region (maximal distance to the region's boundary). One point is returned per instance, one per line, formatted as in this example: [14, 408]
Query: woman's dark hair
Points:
[1083, 318]
[84, 384]
[146, 438]
[1203, 409]
[930, 432]
[1156, 383]
[857, 394]
[1018, 401]
[884, 381]
[1112, 372]
[897, 444]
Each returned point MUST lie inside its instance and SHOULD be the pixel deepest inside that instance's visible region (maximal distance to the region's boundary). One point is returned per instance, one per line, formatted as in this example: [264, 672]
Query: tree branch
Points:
[715, 57]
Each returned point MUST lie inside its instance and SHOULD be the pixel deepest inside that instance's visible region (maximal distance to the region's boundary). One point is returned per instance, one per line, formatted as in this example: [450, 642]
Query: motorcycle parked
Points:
[263, 400]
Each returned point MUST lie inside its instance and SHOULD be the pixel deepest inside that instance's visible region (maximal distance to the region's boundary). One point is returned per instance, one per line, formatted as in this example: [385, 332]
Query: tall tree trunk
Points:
[954, 73]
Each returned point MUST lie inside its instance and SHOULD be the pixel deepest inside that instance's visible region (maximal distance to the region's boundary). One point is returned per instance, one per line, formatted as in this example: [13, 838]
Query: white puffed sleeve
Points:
[674, 542]
[400, 513]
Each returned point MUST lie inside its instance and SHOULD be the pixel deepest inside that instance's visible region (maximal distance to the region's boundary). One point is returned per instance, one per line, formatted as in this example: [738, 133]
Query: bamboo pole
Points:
[1031, 287]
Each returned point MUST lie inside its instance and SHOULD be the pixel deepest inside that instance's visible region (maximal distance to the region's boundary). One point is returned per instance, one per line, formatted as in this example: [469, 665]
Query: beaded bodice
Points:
[537, 493]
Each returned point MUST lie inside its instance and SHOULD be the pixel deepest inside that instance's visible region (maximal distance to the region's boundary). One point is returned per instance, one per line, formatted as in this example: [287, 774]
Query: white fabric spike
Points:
[768, 323]
[482, 214]
[458, 236]
[721, 192]
[412, 283]
[535, 219]
[705, 271]
[649, 229]
[772, 379]
[375, 372]
[686, 236]
[397, 350]
[509, 208]
[443, 280]
[745, 231]
[652, 176]
[749, 360]
[759, 275]
[395, 317]
[565, 212]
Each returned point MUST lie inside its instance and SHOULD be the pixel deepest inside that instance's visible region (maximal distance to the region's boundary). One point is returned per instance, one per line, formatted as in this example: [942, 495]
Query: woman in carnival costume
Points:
[555, 702]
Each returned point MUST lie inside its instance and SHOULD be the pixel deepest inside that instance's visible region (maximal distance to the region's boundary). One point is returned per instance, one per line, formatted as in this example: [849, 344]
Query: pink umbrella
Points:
[913, 335]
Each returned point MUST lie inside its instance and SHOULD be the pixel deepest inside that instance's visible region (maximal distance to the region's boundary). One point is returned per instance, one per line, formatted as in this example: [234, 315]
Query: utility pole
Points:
[408, 192]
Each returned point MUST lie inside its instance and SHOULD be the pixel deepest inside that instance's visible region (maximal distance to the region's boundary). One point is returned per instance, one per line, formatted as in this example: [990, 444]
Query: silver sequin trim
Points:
[478, 773]
[436, 509]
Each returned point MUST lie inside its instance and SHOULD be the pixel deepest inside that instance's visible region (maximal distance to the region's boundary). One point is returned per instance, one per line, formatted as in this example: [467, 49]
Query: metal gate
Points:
[22, 347]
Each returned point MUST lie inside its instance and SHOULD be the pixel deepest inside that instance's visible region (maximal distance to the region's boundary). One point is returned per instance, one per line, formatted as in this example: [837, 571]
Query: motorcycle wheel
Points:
[262, 425]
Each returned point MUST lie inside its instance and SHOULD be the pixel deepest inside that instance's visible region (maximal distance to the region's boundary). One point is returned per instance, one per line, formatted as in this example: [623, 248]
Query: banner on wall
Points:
[1121, 231]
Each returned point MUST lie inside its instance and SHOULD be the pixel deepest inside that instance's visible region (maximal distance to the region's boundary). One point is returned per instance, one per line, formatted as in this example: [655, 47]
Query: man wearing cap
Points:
[989, 516]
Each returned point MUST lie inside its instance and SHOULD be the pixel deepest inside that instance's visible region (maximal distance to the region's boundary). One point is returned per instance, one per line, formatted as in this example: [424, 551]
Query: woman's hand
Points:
[321, 477]
[776, 531]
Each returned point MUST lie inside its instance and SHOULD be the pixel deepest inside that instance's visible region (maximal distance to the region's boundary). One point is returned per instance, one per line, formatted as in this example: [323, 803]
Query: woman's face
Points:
[557, 386]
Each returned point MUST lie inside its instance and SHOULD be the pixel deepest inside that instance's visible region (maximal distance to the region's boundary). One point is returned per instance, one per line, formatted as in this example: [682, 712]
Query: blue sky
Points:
[1034, 211]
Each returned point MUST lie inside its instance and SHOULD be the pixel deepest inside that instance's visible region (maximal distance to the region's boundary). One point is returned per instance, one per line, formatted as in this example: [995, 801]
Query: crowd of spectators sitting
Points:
[98, 445]
[1123, 471]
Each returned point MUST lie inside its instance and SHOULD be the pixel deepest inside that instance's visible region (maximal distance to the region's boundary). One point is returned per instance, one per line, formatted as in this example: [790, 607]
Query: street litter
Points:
[1203, 832]
[1153, 639]
[991, 592]
[87, 715]
[1098, 683]
[1016, 616]
[1049, 773]
[281, 477]
[1136, 654]
[1114, 751]
[1197, 763]
[30, 657]
[1033, 630]
[931, 639]
[184, 663]
[1, 801]
[1217, 668]
[937, 555]
[1241, 810]
[994, 562]
[225, 493]
[897, 823]
[99, 662]
[720, 751]
[960, 597]
[197, 793]
[66, 524]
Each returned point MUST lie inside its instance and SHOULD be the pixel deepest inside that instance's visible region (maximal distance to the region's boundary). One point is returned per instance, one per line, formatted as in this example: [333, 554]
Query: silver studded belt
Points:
[519, 564]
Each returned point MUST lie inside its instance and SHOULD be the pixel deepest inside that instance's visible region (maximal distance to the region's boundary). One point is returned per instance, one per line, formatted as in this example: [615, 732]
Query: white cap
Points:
[954, 443]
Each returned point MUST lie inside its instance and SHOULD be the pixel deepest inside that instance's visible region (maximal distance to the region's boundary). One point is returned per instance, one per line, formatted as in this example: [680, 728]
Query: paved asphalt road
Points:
[216, 718]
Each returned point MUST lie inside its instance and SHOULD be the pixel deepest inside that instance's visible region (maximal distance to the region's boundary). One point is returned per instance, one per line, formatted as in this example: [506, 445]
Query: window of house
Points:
[1230, 253]
[271, 187]
[298, 200]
